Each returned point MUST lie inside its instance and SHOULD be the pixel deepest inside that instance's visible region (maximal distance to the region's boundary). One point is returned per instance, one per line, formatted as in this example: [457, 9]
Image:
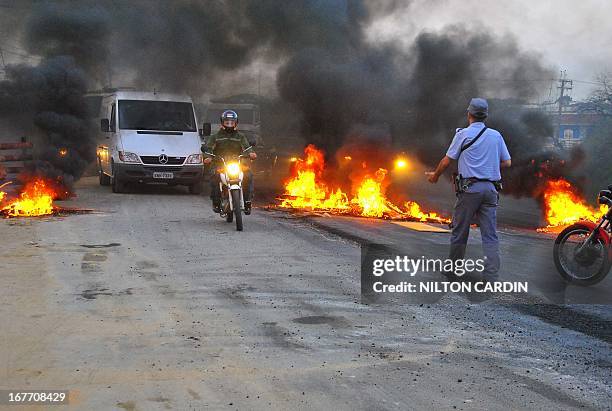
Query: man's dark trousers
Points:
[480, 202]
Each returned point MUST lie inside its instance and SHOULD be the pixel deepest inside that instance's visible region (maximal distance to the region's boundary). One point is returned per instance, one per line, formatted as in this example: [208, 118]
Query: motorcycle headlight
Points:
[233, 169]
[128, 157]
[194, 159]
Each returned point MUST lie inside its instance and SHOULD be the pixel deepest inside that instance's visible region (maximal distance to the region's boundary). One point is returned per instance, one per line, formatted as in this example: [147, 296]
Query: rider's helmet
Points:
[229, 120]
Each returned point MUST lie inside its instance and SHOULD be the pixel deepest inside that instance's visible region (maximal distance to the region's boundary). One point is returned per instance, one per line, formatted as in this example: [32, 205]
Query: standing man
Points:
[481, 153]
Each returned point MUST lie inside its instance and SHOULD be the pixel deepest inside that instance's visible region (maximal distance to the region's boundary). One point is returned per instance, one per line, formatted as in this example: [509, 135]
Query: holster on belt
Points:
[462, 184]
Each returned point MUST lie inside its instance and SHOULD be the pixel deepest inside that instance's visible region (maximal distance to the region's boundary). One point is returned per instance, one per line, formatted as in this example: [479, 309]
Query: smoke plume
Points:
[339, 81]
[50, 95]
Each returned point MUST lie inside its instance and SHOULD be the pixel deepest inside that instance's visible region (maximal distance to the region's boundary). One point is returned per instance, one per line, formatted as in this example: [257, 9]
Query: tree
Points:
[600, 99]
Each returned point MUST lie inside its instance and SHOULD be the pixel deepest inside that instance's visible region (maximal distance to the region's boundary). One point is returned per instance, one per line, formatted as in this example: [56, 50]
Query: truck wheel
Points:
[118, 186]
[237, 209]
[105, 180]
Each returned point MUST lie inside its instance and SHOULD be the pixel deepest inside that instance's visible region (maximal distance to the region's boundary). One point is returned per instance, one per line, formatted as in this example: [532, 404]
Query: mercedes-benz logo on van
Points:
[163, 159]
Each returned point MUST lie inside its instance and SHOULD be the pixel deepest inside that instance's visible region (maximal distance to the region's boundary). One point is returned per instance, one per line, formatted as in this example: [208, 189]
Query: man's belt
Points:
[463, 183]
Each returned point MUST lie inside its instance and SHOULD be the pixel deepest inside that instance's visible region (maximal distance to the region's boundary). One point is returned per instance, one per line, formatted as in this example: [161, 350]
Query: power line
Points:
[597, 83]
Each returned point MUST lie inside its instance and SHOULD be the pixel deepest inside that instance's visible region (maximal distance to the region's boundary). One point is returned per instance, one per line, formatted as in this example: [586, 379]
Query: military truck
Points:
[247, 106]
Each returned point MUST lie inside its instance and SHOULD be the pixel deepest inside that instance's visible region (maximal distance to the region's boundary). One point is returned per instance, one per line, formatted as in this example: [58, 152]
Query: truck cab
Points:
[247, 108]
[149, 138]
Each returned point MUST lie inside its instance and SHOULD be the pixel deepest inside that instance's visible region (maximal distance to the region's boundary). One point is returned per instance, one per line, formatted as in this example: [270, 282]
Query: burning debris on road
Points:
[35, 199]
[307, 190]
[563, 206]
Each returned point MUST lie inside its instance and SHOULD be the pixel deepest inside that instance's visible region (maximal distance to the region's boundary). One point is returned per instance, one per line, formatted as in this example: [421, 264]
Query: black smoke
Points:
[70, 44]
[455, 65]
[50, 96]
[328, 70]
[422, 94]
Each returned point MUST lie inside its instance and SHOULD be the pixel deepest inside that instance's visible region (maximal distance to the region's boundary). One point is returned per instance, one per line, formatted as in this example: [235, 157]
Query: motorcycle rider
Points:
[228, 142]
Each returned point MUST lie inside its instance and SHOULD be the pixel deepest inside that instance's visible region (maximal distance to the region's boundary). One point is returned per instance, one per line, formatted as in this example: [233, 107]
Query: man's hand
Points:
[252, 156]
[442, 165]
[207, 160]
[432, 177]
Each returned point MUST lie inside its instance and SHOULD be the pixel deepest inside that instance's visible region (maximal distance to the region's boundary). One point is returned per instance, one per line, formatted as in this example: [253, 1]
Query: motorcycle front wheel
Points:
[581, 267]
[237, 209]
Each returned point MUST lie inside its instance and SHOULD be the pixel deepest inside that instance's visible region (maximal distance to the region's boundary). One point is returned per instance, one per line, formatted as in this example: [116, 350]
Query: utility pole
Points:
[564, 84]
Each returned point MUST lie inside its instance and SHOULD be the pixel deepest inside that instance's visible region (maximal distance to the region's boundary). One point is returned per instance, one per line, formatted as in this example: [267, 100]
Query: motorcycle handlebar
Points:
[240, 156]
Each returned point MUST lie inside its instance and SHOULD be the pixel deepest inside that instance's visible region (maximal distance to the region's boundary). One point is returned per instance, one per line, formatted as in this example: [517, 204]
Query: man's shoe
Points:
[216, 208]
[247, 207]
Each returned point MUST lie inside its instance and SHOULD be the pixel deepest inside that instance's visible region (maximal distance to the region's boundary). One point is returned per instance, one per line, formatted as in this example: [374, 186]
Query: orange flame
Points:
[306, 190]
[370, 197]
[564, 206]
[414, 209]
[35, 199]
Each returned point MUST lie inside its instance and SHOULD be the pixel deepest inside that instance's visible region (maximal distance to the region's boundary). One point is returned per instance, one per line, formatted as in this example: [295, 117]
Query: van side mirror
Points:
[206, 130]
[104, 125]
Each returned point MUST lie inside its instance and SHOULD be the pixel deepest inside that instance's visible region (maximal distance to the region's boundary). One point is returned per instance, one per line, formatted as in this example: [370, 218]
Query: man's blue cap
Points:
[478, 107]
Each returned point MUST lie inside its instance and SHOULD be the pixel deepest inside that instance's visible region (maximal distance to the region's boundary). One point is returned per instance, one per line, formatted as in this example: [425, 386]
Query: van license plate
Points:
[163, 175]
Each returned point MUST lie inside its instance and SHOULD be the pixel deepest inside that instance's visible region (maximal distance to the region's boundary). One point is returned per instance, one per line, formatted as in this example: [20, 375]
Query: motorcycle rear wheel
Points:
[587, 269]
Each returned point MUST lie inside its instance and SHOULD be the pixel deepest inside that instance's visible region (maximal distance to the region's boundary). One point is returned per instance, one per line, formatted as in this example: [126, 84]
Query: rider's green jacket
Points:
[227, 144]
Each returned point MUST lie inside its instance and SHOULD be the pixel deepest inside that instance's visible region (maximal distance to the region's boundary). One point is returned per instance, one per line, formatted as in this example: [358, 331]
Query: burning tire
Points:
[579, 266]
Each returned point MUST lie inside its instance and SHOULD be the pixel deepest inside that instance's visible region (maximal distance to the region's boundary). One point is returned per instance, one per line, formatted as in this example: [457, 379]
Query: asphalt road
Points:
[154, 302]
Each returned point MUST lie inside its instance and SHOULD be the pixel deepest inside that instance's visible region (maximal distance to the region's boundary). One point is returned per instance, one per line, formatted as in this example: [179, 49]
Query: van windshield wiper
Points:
[164, 133]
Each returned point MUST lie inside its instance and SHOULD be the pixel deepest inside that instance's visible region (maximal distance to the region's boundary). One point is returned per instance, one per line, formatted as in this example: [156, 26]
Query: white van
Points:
[149, 138]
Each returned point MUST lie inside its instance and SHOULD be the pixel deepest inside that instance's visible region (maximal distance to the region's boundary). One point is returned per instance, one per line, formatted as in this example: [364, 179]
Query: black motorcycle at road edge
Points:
[583, 251]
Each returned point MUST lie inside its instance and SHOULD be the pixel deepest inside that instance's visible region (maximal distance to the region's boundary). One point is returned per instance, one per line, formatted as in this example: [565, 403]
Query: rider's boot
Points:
[247, 207]
[216, 205]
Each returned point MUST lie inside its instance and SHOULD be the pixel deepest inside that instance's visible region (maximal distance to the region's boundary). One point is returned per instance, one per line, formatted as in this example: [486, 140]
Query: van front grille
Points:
[164, 168]
[155, 160]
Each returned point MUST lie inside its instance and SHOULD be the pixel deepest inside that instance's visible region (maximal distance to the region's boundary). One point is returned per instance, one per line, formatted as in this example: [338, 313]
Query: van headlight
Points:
[128, 157]
[194, 159]
[233, 169]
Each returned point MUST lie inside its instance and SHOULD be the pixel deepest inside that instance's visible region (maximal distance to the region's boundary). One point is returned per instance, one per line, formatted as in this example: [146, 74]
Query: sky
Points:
[570, 35]
[575, 36]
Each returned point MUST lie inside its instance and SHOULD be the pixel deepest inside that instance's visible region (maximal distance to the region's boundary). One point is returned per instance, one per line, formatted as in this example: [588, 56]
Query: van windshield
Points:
[156, 115]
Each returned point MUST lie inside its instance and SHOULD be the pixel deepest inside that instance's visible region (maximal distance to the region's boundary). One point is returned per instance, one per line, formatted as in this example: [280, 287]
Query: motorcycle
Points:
[583, 251]
[232, 196]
